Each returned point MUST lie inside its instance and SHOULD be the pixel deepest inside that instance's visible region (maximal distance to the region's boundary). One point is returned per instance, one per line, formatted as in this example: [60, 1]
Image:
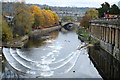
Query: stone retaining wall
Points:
[18, 42]
[41, 32]
[109, 36]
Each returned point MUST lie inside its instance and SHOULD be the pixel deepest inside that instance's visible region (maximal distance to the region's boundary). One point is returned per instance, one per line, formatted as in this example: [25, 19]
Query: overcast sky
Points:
[73, 3]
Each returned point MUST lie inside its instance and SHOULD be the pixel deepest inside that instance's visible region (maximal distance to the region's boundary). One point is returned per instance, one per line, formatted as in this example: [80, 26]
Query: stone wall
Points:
[17, 42]
[107, 31]
[43, 31]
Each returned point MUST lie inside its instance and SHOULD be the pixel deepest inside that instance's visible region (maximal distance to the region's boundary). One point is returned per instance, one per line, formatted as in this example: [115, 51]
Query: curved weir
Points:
[55, 56]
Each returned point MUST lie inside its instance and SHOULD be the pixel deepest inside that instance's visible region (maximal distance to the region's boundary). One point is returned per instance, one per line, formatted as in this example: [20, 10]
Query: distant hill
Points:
[55, 8]
[9, 7]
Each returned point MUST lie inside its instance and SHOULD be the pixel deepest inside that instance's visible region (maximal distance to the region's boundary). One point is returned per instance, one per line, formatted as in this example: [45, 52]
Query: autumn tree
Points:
[38, 16]
[85, 21]
[6, 31]
[23, 19]
[56, 18]
[92, 13]
[43, 17]
[51, 18]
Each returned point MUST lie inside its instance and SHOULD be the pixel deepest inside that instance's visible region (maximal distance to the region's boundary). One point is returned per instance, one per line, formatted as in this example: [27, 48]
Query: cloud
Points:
[78, 3]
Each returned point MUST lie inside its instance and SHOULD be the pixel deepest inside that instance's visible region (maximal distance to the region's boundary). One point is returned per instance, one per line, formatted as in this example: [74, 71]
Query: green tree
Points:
[47, 8]
[6, 31]
[66, 18]
[114, 10]
[105, 9]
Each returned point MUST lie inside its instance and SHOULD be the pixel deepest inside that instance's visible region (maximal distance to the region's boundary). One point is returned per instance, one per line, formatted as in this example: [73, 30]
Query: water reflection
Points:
[40, 41]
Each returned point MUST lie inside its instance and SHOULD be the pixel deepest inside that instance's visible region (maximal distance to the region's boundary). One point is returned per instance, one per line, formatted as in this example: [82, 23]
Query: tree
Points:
[43, 17]
[47, 8]
[92, 13]
[23, 19]
[6, 31]
[105, 9]
[85, 21]
[50, 18]
[56, 18]
[114, 10]
[38, 16]
[66, 18]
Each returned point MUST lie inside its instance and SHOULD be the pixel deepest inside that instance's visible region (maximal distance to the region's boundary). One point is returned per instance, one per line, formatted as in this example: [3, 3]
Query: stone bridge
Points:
[76, 23]
[70, 25]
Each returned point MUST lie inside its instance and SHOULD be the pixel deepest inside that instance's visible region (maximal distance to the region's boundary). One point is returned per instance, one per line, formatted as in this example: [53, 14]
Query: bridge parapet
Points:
[76, 23]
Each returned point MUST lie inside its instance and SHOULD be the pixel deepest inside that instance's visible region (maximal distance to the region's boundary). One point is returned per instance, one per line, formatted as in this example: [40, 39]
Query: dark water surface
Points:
[54, 55]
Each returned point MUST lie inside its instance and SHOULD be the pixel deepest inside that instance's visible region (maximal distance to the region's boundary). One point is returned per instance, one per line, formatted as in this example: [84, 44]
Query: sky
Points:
[70, 3]
[73, 3]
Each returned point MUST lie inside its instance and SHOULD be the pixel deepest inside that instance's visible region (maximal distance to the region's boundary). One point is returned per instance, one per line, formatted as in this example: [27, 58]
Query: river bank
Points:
[41, 32]
[19, 42]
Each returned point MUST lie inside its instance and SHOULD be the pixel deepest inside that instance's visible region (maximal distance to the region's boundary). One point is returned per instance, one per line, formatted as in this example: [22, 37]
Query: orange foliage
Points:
[43, 17]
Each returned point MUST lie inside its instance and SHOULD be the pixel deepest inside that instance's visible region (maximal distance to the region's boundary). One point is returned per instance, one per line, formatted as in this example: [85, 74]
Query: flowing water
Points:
[54, 55]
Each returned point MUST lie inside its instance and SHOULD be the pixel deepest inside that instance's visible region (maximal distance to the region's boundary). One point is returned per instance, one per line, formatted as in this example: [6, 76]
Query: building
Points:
[69, 13]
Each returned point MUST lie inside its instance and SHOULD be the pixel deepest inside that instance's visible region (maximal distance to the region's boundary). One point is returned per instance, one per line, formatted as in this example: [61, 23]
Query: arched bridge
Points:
[69, 25]
[76, 23]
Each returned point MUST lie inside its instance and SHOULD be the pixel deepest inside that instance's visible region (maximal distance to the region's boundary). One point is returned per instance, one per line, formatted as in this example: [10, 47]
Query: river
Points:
[54, 55]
